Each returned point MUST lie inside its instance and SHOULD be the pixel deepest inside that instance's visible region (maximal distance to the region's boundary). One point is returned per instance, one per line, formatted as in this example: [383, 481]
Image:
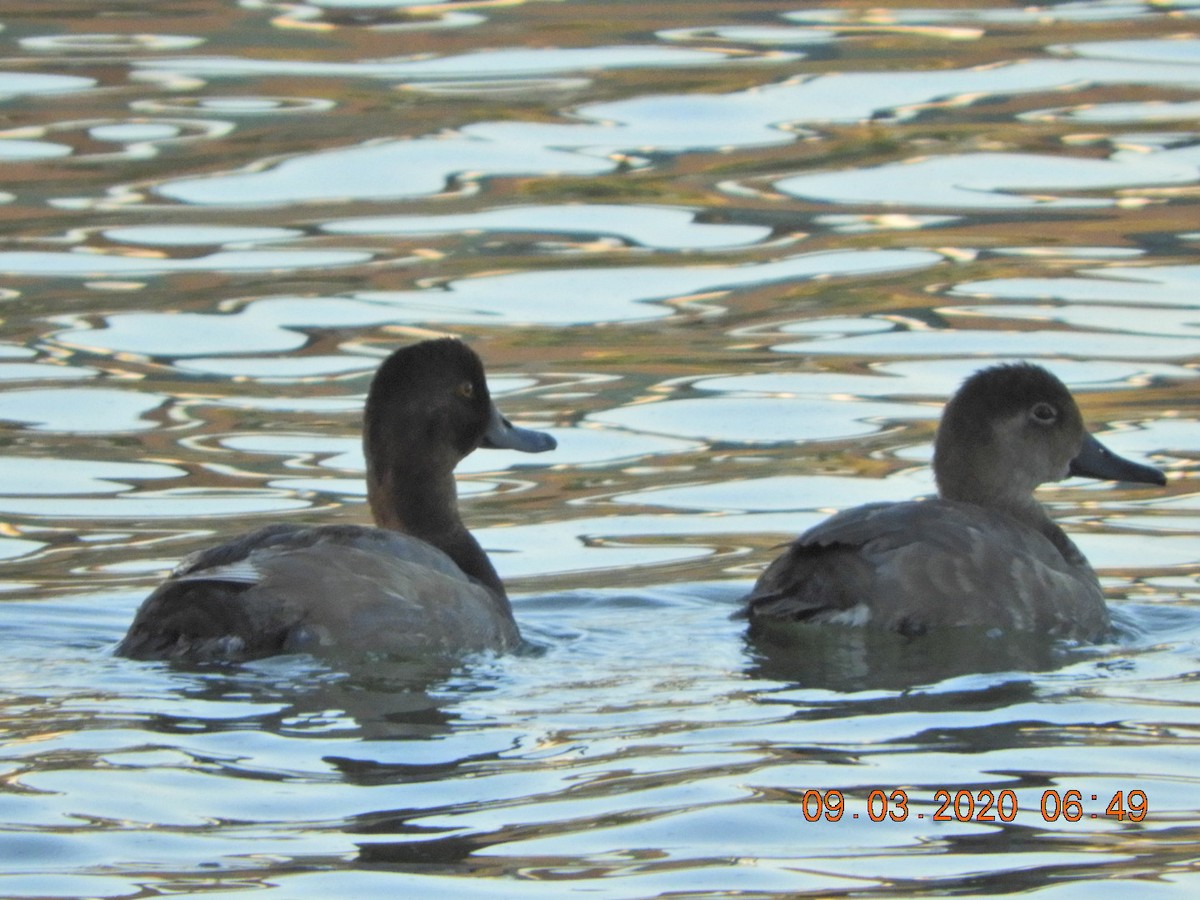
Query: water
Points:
[734, 257]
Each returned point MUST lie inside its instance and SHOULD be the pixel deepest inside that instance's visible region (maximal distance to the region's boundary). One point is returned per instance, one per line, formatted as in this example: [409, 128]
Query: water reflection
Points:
[13, 84]
[95, 265]
[416, 168]
[995, 180]
[737, 256]
[38, 371]
[617, 294]
[1166, 286]
[24, 476]
[615, 130]
[668, 229]
[491, 64]
[916, 339]
[1156, 111]
[373, 14]
[143, 505]
[785, 492]
[233, 105]
[12, 150]
[109, 43]
[1185, 51]
[762, 35]
[859, 659]
[80, 411]
[938, 378]
[228, 236]
[768, 420]
[1036, 16]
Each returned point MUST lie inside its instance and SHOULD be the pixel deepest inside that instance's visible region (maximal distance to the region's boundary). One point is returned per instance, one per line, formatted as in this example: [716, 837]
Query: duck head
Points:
[434, 395]
[1012, 427]
[429, 407]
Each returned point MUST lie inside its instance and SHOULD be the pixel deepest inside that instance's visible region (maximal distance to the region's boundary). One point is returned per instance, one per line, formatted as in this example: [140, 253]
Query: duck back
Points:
[339, 588]
[911, 567]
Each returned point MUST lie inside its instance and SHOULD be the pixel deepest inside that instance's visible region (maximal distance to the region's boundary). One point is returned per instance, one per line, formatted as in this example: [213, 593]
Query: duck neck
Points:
[1016, 501]
[422, 501]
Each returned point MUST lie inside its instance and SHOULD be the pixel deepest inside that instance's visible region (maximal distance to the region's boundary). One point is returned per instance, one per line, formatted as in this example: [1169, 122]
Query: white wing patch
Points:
[856, 616]
[241, 572]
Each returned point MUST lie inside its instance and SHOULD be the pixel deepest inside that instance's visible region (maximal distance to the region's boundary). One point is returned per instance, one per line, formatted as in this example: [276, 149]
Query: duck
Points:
[983, 553]
[417, 584]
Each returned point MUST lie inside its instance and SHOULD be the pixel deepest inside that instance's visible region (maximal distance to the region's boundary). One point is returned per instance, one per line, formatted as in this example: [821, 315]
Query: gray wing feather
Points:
[286, 588]
[917, 565]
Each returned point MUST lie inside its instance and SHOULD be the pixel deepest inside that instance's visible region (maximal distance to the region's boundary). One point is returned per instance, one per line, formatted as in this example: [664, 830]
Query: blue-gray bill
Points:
[502, 434]
[1094, 460]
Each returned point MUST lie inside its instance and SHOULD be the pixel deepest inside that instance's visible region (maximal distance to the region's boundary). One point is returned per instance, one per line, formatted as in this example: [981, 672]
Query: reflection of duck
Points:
[417, 584]
[984, 553]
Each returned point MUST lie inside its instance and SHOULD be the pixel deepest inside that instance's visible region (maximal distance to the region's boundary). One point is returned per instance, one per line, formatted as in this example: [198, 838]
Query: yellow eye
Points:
[466, 390]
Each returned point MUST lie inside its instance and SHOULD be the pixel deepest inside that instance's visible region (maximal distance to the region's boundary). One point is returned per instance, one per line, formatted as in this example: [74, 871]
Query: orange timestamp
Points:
[976, 806]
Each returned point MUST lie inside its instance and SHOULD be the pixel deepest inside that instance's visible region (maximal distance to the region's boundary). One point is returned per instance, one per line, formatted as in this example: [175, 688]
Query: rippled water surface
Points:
[734, 256]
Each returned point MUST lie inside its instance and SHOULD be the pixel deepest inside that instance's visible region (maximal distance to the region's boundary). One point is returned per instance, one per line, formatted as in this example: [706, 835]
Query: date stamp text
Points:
[974, 806]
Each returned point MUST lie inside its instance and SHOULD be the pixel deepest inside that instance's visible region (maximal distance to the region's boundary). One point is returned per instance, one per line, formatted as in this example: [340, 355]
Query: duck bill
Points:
[1097, 461]
[502, 434]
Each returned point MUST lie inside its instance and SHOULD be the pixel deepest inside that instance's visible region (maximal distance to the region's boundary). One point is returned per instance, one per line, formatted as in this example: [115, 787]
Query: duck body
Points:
[389, 593]
[914, 566]
[416, 585]
[984, 554]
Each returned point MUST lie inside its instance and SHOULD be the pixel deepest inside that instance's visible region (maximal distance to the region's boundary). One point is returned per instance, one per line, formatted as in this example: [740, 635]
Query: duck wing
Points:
[286, 589]
[913, 566]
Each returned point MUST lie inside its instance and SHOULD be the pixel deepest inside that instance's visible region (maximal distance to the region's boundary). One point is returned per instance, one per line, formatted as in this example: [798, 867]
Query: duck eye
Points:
[466, 390]
[1044, 414]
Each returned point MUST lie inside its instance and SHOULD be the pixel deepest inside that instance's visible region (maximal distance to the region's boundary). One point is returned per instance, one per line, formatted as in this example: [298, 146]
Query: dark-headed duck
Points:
[984, 553]
[418, 584]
